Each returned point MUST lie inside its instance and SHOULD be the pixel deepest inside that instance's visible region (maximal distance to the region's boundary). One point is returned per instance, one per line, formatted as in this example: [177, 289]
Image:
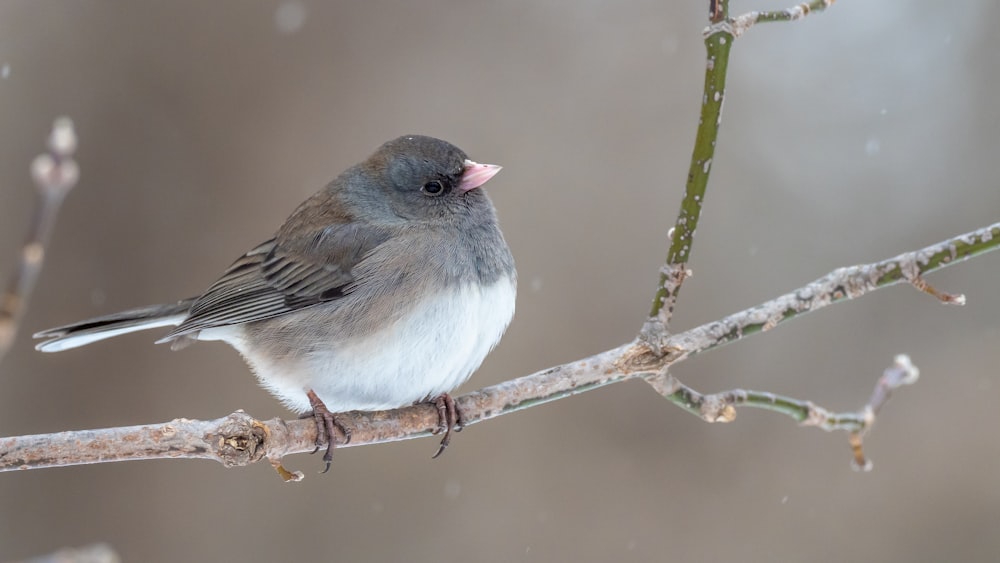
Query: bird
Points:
[388, 287]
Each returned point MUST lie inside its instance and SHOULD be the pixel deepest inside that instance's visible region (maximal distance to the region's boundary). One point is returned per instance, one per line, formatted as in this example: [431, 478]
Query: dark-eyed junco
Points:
[386, 288]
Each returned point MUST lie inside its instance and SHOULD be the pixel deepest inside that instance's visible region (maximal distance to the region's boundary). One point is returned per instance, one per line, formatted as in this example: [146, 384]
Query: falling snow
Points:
[873, 146]
[290, 17]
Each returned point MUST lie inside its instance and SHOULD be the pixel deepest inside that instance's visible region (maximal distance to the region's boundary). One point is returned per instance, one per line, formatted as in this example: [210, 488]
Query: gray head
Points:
[419, 178]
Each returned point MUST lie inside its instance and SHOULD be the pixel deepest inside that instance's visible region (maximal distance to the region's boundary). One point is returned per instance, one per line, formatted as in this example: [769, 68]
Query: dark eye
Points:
[433, 188]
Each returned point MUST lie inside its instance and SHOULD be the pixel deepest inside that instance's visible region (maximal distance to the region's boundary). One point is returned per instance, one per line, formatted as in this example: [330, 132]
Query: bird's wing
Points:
[281, 276]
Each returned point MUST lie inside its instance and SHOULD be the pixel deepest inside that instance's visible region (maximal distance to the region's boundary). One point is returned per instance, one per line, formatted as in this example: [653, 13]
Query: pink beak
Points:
[476, 175]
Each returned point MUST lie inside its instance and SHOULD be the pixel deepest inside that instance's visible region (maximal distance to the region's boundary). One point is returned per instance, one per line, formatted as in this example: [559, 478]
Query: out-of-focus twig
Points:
[55, 173]
[96, 553]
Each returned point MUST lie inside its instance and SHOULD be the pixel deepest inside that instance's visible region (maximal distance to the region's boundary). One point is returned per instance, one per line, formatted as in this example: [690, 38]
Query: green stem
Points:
[717, 45]
[801, 411]
[718, 42]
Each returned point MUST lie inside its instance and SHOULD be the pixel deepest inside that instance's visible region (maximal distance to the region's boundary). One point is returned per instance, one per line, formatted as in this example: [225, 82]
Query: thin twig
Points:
[721, 407]
[239, 439]
[55, 173]
[742, 23]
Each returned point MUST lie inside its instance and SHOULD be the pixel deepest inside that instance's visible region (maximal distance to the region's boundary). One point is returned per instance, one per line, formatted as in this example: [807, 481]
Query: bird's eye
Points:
[433, 188]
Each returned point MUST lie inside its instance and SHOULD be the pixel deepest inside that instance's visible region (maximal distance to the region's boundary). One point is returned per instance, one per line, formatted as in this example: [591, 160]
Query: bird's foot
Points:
[326, 423]
[449, 418]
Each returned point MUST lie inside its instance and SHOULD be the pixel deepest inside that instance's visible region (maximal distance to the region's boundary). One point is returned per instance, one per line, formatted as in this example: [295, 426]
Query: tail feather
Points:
[91, 330]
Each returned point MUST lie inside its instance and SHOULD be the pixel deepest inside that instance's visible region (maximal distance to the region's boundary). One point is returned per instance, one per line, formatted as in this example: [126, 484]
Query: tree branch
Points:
[240, 439]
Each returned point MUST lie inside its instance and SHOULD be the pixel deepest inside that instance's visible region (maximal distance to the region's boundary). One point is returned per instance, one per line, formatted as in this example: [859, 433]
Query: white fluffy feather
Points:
[432, 350]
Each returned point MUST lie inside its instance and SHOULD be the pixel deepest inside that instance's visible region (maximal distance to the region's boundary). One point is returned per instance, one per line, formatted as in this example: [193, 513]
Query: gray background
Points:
[849, 137]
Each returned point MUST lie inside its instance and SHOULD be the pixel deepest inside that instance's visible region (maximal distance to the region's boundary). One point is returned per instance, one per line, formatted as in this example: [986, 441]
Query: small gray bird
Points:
[386, 288]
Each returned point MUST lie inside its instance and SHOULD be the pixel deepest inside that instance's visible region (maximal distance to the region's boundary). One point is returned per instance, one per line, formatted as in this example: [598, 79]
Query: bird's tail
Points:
[84, 332]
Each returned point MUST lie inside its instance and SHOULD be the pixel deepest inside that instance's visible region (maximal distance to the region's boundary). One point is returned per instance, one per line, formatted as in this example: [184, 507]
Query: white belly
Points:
[430, 351]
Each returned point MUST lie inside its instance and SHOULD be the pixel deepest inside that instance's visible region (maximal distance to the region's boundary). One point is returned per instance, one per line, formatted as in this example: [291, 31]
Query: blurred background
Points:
[849, 137]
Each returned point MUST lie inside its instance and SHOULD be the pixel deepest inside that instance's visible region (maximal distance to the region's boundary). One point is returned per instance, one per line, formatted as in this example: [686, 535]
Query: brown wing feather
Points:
[278, 277]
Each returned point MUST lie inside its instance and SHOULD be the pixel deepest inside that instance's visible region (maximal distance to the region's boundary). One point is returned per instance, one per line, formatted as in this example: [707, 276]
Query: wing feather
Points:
[278, 277]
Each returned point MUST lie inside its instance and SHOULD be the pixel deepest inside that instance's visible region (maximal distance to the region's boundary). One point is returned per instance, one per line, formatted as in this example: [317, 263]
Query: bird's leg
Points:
[326, 421]
[449, 418]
